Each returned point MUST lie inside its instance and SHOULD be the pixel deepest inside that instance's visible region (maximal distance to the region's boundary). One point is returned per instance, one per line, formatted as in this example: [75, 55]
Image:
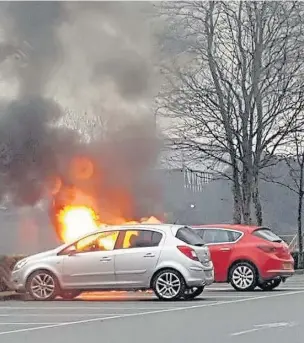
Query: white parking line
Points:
[27, 324]
[81, 308]
[222, 289]
[141, 314]
[260, 327]
[59, 314]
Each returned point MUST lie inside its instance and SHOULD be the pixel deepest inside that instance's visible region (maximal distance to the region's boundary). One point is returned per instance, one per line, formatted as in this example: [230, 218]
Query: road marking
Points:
[138, 314]
[81, 308]
[263, 327]
[19, 323]
[58, 314]
[225, 289]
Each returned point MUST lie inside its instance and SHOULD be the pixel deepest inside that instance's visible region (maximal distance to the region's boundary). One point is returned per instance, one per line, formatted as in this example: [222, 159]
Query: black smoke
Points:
[35, 143]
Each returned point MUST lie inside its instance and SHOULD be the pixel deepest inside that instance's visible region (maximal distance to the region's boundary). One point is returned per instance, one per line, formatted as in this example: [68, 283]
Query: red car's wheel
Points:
[243, 277]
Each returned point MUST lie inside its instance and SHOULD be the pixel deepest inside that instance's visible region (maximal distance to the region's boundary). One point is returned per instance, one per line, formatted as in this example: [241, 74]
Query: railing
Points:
[196, 180]
[293, 244]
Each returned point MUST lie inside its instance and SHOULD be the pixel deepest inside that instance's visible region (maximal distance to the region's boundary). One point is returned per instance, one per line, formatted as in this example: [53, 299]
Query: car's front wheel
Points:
[42, 285]
[191, 293]
[270, 285]
[168, 284]
[243, 277]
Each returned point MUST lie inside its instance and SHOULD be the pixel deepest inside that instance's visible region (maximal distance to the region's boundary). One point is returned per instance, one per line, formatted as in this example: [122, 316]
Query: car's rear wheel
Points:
[42, 285]
[191, 293]
[243, 277]
[70, 294]
[168, 284]
[270, 285]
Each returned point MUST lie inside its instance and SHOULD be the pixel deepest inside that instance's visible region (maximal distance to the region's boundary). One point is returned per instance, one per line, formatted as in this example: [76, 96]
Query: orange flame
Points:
[76, 221]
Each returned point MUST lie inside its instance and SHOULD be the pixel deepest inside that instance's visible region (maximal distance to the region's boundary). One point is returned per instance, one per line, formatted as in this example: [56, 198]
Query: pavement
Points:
[219, 315]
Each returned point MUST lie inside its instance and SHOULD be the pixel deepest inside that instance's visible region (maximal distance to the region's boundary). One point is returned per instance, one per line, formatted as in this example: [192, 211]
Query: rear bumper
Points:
[275, 267]
[283, 273]
[200, 277]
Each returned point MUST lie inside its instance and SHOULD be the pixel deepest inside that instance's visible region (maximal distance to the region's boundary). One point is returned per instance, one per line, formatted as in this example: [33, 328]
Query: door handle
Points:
[225, 249]
[149, 254]
[105, 259]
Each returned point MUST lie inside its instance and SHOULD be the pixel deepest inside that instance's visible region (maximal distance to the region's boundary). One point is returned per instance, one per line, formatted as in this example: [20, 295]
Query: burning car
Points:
[172, 260]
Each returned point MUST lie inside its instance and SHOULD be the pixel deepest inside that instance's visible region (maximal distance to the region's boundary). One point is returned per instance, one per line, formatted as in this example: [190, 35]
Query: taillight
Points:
[267, 248]
[187, 251]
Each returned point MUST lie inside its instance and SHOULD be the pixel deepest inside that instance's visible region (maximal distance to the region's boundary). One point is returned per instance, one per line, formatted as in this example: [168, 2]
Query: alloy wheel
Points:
[42, 286]
[168, 285]
[243, 277]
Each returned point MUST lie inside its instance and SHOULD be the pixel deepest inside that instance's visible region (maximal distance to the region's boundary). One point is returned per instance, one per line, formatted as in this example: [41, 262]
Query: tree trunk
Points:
[257, 202]
[247, 193]
[237, 209]
[300, 206]
[237, 200]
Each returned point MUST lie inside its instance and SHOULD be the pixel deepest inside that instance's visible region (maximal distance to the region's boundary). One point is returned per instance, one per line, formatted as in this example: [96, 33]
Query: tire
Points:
[168, 285]
[193, 292]
[42, 285]
[70, 294]
[243, 277]
[270, 285]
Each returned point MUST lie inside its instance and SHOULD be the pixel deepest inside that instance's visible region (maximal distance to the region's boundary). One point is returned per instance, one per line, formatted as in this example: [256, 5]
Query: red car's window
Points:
[267, 234]
[219, 236]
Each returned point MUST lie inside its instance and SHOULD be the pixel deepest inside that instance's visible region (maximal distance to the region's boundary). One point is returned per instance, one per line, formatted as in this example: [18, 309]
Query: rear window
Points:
[189, 236]
[267, 234]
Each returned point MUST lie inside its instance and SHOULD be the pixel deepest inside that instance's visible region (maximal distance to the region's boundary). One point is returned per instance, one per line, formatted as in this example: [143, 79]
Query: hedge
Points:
[7, 263]
[295, 257]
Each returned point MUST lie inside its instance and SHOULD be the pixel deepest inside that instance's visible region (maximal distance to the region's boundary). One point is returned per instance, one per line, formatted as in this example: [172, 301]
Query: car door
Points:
[89, 264]
[136, 256]
[220, 247]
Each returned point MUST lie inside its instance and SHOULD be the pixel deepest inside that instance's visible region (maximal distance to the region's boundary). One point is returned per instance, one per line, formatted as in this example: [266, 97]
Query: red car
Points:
[247, 256]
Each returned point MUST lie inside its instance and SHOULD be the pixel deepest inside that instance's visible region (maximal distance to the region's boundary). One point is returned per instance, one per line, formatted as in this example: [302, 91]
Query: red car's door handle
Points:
[225, 249]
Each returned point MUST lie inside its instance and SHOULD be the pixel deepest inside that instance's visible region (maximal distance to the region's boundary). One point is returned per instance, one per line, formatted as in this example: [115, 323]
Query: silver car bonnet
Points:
[42, 255]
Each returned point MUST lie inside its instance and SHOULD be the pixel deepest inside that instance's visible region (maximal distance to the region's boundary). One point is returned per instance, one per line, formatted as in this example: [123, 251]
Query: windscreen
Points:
[267, 234]
[189, 236]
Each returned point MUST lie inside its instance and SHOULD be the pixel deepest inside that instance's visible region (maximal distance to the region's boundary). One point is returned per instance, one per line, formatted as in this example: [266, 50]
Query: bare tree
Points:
[294, 181]
[235, 93]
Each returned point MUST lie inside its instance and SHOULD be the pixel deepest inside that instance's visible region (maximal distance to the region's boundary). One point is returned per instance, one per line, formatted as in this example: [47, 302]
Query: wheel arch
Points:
[242, 260]
[165, 268]
[43, 269]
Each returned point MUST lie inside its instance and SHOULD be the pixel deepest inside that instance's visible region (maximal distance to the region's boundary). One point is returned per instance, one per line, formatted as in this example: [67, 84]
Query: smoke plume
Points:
[80, 79]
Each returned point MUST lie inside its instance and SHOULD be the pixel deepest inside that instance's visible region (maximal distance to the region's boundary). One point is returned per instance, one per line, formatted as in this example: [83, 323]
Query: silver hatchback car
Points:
[172, 260]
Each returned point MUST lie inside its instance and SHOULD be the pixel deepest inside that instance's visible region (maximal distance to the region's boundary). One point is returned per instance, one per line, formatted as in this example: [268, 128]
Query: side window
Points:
[234, 236]
[189, 236]
[200, 232]
[104, 241]
[216, 236]
[141, 239]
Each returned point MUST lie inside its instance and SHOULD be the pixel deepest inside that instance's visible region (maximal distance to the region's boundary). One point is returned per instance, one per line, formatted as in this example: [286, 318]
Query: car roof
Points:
[136, 226]
[239, 227]
[172, 228]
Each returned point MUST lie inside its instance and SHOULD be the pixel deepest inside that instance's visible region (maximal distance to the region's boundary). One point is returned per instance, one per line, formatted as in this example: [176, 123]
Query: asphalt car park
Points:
[219, 314]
